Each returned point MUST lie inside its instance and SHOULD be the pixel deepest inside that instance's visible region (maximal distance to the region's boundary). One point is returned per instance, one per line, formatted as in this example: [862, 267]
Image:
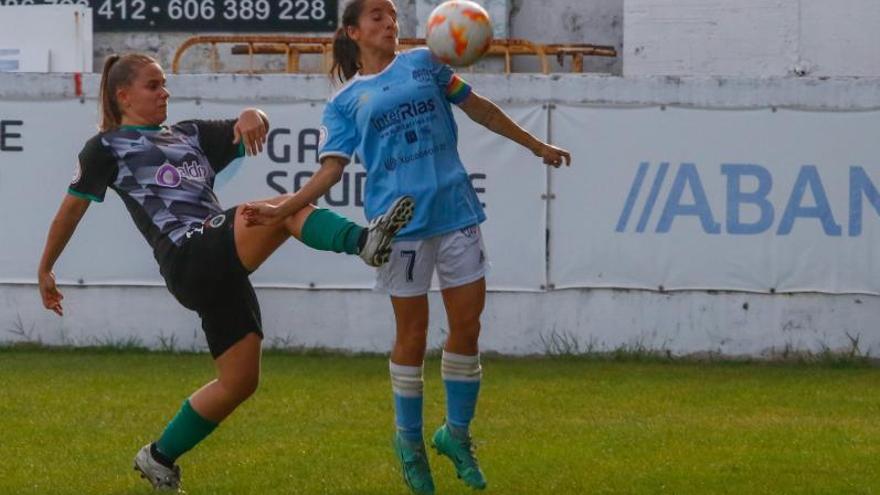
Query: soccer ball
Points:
[459, 32]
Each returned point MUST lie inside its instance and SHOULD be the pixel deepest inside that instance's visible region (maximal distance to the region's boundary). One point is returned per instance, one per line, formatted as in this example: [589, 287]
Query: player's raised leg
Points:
[318, 228]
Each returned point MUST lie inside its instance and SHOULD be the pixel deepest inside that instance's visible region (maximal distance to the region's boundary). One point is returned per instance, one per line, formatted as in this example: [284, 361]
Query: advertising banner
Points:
[39, 143]
[760, 200]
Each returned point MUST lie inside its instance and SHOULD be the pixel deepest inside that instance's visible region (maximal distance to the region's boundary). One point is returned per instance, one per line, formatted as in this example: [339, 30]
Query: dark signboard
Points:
[290, 16]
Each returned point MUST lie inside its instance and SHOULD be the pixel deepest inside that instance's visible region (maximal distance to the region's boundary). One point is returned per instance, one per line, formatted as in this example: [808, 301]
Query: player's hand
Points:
[262, 213]
[251, 129]
[49, 292]
[553, 156]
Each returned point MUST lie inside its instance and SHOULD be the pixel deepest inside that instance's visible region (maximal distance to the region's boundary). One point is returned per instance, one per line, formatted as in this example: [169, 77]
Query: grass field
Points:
[71, 421]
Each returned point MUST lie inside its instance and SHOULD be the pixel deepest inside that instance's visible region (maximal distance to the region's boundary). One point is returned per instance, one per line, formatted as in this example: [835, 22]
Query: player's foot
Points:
[380, 233]
[460, 450]
[414, 464]
[160, 475]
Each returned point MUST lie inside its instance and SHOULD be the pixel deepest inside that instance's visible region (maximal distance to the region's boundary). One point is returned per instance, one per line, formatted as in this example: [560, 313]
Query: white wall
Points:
[47, 38]
[681, 323]
[840, 38]
[751, 38]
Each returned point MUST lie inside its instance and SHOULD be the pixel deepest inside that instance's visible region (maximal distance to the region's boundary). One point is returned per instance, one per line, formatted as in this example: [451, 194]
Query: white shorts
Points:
[459, 257]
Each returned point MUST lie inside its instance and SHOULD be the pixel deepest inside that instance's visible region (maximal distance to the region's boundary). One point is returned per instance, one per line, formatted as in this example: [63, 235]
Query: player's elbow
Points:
[332, 170]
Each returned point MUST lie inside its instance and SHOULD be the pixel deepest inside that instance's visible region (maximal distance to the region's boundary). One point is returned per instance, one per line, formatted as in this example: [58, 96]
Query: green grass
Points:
[71, 421]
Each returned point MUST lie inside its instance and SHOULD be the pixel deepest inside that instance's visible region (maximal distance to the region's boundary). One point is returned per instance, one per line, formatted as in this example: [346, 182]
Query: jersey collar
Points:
[140, 127]
[361, 77]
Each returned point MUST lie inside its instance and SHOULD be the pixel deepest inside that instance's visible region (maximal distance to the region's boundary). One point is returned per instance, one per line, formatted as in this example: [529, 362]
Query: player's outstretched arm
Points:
[64, 224]
[264, 213]
[486, 113]
[251, 129]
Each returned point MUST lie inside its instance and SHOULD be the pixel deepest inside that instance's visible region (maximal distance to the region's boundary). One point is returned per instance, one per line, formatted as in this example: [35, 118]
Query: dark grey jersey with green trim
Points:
[164, 175]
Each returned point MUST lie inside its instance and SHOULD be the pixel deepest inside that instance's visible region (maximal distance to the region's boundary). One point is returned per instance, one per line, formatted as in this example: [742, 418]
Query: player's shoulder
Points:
[95, 140]
[188, 127]
[96, 143]
[348, 90]
[97, 149]
[418, 54]
[420, 58]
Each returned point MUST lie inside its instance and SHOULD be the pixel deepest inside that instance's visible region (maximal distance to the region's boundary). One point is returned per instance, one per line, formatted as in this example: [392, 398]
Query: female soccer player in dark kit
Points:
[164, 175]
[394, 111]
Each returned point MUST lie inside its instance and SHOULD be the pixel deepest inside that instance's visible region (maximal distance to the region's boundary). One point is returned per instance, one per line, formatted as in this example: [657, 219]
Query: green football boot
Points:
[461, 452]
[414, 464]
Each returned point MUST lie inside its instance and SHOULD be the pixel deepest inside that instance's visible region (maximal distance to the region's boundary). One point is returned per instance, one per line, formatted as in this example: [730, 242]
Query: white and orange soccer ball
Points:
[459, 32]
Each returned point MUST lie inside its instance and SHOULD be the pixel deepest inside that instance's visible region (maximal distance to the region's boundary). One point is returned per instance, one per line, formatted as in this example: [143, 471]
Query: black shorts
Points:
[205, 275]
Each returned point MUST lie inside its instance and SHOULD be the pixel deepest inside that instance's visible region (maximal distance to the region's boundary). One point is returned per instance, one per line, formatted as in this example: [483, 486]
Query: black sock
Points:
[160, 457]
[362, 239]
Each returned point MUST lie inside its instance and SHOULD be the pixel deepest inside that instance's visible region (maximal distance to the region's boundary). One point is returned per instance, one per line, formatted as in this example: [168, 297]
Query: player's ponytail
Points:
[346, 54]
[118, 71]
[110, 116]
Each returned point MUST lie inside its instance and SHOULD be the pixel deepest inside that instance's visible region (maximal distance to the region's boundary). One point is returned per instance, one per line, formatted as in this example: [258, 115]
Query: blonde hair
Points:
[119, 71]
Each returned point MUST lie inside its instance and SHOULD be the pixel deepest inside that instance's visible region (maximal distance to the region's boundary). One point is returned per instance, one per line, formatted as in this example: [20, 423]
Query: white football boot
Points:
[377, 247]
[159, 475]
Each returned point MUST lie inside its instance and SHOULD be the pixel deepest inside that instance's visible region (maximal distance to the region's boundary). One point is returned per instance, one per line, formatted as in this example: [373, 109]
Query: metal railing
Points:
[294, 47]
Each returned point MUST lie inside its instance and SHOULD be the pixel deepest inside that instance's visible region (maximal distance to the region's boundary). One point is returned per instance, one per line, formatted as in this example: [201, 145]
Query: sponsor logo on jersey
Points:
[170, 176]
[422, 75]
[402, 113]
[392, 162]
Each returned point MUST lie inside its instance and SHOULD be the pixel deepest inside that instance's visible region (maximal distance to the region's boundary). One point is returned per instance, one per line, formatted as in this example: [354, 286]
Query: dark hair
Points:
[119, 71]
[346, 53]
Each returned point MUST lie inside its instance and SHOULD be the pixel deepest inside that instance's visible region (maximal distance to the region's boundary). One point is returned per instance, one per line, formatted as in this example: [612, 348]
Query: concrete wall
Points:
[544, 21]
[752, 38]
[569, 321]
[743, 38]
[599, 22]
[517, 323]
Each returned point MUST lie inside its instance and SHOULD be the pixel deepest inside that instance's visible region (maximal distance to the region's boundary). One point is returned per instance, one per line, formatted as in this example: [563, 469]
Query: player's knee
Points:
[241, 386]
[467, 326]
[293, 224]
[413, 328]
[412, 341]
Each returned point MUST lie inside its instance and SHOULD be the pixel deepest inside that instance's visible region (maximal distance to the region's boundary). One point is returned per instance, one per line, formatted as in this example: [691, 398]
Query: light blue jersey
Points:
[400, 123]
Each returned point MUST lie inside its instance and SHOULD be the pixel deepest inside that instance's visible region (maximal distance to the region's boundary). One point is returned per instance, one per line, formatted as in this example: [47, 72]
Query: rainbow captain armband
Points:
[457, 90]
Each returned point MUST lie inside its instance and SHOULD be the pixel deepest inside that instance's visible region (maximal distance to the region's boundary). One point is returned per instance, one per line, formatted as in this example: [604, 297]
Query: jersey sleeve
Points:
[95, 171]
[453, 86]
[215, 138]
[339, 135]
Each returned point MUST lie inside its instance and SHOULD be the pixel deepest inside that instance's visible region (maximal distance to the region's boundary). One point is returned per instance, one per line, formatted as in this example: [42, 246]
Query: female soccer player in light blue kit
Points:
[394, 111]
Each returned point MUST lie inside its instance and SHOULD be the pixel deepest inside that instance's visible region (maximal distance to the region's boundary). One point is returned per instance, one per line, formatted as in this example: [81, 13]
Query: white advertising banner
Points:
[759, 200]
[512, 183]
[40, 142]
